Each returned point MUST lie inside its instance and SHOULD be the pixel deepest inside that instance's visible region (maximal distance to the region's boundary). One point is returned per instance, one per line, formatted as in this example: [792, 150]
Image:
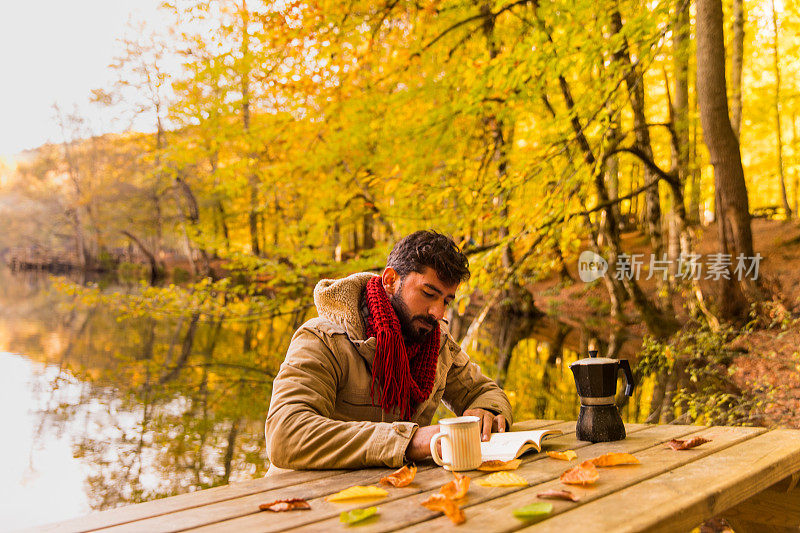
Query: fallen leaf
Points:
[583, 474]
[357, 515]
[566, 455]
[441, 503]
[534, 510]
[402, 477]
[677, 444]
[457, 488]
[497, 466]
[503, 479]
[614, 459]
[357, 492]
[554, 494]
[295, 504]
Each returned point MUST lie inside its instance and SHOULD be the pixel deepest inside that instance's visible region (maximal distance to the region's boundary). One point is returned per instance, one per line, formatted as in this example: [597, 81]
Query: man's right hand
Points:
[419, 447]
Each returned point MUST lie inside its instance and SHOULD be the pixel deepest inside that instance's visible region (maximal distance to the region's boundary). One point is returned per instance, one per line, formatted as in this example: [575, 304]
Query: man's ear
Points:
[390, 280]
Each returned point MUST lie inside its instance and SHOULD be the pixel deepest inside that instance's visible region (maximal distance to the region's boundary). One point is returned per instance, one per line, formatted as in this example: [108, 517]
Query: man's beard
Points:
[412, 332]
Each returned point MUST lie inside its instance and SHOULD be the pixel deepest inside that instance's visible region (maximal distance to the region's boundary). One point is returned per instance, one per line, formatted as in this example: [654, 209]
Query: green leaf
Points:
[534, 510]
[357, 515]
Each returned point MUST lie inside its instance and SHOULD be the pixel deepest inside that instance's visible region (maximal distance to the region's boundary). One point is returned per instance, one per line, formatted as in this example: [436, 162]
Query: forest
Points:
[292, 141]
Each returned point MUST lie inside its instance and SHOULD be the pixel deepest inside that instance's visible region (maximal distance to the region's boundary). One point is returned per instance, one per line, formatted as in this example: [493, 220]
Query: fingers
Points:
[488, 418]
[500, 423]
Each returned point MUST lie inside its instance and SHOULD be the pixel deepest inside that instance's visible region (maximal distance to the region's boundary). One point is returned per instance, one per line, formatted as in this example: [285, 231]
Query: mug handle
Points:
[434, 451]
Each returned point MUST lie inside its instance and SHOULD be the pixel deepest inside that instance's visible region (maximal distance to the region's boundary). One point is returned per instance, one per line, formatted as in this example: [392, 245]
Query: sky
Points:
[57, 51]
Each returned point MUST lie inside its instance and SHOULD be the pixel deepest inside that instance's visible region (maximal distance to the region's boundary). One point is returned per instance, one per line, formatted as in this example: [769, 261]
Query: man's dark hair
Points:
[427, 248]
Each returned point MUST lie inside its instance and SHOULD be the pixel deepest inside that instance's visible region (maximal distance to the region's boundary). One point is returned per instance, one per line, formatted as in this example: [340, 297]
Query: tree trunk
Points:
[368, 227]
[612, 169]
[635, 84]
[191, 217]
[252, 177]
[737, 61]
[779, 132]
[156, 270]
[696, 199]
[733, 214]
[679, 240]
[796, 162]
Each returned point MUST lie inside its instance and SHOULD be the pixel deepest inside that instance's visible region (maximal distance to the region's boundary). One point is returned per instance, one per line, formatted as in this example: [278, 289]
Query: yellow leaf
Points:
[503, 479]
[566, 455]
[357, 492]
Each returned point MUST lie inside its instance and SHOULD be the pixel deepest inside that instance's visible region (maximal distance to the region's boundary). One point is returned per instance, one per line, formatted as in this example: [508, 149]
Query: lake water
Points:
[101, 411]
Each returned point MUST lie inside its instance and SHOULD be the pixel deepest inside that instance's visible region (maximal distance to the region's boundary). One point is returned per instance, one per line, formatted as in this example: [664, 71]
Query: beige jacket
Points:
[321, 415]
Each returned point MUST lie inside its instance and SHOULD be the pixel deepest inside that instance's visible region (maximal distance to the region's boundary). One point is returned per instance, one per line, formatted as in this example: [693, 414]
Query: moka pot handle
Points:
[625, 365]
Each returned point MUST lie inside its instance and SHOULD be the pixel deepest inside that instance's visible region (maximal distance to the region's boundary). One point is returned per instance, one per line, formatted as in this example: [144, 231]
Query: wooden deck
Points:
[744, 474]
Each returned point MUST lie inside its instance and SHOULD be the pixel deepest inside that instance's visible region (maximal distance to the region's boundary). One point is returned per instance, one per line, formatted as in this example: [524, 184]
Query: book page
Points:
[510, 445]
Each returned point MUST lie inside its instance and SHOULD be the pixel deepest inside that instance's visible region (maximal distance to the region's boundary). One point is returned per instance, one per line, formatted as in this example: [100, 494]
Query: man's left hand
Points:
[489, 422]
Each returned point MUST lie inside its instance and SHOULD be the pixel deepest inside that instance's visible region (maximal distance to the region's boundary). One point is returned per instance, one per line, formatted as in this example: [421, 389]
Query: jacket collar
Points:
[341, 301]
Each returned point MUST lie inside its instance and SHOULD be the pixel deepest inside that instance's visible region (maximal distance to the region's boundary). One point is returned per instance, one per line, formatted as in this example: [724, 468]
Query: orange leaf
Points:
[614, 459]
[554, 494]
[295, 504]
[441, 503]
[496, 466]
[677, 444]
[566, 455]
[402, 477]
[584, 474]
[457, 488]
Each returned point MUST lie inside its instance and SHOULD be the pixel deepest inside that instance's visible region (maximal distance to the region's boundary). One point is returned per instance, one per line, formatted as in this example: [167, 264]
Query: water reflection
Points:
[153, 407]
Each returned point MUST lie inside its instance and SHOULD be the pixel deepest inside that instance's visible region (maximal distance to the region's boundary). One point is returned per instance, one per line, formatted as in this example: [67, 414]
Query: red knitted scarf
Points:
[405, 373]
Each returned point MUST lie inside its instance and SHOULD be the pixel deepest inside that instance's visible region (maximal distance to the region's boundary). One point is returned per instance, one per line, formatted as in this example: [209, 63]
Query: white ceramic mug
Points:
[461, 443]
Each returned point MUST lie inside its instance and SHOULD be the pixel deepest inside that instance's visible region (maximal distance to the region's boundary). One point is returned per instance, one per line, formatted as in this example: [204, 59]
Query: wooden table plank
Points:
[189, 500]
[489, 508]
[196, 509]
[427, 477]
[682, 498]
[404, 510]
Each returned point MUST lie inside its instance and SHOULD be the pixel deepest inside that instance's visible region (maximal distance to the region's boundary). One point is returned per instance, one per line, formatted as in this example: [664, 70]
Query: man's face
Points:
[420, 301]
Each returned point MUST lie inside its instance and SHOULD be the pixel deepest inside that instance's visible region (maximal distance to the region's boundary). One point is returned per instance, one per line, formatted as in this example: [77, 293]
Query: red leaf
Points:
[558, 495]
[677, 444]
[295, 504]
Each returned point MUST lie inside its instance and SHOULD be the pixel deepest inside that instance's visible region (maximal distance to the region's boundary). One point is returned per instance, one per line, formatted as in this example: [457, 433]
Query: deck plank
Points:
[409, 512]
[194, 511]
[683, 497]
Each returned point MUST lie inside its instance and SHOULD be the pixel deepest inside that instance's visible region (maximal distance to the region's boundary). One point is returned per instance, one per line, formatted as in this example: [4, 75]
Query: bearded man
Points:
[361, 383]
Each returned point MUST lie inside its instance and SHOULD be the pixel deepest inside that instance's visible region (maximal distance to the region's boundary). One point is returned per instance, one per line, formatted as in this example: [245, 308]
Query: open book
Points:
[512, 444]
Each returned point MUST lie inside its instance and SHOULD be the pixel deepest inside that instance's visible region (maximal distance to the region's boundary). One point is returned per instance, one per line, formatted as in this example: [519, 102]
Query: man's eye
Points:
[428, 294]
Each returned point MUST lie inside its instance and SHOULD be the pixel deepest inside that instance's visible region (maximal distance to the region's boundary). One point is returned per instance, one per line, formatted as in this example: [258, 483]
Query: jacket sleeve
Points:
[299, 429]
[468, 388]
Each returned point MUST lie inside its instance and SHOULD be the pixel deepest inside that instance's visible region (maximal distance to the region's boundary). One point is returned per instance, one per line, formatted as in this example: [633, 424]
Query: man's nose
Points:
[436, 311]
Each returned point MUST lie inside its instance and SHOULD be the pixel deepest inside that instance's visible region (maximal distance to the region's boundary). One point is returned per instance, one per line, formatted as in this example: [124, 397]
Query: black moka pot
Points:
[596, 381]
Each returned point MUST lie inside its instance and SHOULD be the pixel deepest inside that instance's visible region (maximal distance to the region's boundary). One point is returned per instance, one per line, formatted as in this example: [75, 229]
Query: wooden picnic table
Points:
[746, 475]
